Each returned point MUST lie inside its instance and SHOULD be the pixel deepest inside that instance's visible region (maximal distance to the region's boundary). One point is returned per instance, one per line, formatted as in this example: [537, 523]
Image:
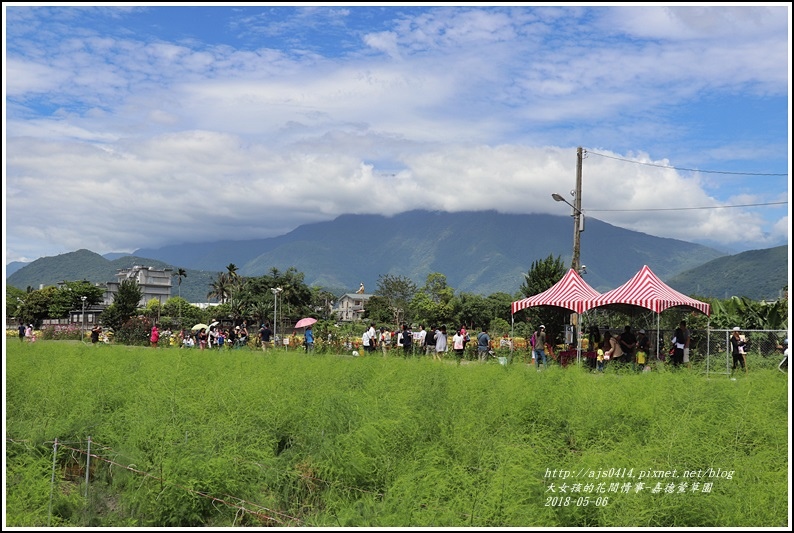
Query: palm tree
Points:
[180, 273]
[220, 288]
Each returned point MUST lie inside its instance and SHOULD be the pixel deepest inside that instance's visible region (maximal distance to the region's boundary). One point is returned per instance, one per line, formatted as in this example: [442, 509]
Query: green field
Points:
[190, 438]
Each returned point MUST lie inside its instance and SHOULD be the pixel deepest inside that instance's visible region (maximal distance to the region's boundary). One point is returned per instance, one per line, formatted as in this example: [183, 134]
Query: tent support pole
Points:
[512, 334]
[578, 340]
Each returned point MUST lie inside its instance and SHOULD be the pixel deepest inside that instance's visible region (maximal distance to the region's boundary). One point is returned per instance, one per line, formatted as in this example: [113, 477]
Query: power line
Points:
[684, 208]
[688, 169]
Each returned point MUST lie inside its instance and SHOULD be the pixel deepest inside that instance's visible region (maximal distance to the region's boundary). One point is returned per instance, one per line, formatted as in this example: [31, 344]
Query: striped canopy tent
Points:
[571, 292]
[646, 290]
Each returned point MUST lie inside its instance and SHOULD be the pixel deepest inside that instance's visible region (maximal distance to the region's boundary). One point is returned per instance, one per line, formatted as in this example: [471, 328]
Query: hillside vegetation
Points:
[190, 438]
[478, 252]
[756, 274]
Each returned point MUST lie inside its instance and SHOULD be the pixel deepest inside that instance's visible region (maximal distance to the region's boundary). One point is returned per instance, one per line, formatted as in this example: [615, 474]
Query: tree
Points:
[322, 302]
[69, 296]
[36, 305]
[500, 305]
[220, 288]
[15, 298]
[433, 302]
[397, 291]
[472, 310]
[542, 275]
[180, 273]
[177, 306]
[379, 311]
[125, 303]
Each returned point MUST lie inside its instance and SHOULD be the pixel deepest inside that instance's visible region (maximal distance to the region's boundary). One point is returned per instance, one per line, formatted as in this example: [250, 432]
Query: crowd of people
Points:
[433, 341]
[626, 348]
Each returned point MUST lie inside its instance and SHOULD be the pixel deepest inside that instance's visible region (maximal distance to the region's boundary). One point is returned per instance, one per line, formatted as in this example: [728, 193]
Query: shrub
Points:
[135, 331]
[61, 333]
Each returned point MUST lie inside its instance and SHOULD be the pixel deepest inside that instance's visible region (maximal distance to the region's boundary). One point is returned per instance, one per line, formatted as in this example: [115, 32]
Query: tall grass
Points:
[328, 441]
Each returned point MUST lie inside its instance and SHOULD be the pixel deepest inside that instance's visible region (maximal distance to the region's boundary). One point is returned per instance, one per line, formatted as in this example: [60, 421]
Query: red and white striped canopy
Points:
[571, 292]
[648, 291]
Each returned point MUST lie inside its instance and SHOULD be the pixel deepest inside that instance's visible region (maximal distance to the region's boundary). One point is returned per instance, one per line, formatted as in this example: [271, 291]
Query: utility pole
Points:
[577, 211]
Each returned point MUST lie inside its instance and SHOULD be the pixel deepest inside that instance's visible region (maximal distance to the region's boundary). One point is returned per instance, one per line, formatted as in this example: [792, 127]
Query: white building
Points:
[350, 307]
[155, 283]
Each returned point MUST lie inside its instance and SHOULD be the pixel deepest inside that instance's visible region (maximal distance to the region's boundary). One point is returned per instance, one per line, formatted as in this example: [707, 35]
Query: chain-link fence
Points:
[710, 350]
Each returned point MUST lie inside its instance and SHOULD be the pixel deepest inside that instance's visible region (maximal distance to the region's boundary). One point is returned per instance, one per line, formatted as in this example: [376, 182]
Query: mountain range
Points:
[479, 252]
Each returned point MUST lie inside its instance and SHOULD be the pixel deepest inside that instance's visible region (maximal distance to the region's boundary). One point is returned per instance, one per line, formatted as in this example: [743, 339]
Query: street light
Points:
[275, 290]
[578, 227]
[82, 320]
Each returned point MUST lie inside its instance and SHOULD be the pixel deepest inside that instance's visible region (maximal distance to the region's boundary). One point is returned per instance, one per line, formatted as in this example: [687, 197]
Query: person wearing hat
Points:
[308, 339]
[643, 344]
[737, 349]
[540, 347]
[242, 335]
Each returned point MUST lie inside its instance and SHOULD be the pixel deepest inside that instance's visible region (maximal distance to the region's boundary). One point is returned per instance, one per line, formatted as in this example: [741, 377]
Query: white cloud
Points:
[472, 108]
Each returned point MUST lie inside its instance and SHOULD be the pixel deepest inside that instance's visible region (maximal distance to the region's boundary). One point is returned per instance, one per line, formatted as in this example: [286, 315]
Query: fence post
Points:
[52, 481]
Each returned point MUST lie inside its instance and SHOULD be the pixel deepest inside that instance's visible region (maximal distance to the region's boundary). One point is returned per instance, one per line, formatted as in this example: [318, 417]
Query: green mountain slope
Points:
[92, 267]
[478, 252]
[756, 274]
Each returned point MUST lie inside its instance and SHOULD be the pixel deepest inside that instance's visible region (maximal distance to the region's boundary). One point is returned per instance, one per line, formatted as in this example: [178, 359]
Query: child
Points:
[600, 359]
[640, 359]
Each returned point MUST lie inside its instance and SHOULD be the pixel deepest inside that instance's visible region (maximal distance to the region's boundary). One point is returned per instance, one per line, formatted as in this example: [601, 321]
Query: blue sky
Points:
[128, 126]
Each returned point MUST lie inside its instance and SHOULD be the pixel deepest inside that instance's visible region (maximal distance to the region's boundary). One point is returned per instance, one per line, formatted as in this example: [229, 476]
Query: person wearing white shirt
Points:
[441, 343]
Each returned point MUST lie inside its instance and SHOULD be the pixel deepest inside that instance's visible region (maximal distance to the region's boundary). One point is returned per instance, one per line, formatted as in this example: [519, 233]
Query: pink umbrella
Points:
[303, 322]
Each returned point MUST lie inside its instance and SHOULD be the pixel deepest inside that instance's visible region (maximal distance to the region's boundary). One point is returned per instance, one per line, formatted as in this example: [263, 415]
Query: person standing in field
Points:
[405, 338]
[95, 331]
[612, 347]
[465, 333]
[540, 347]
[242, 335]
[600, 359]
[155, 336]
[643, 345]
[212, 337]
[430, 341]
[441, 343]
[737, 349]
[308, 338]
[483, 344]
[202, 339]
[264, 336]
[21, 330]
[687, 336]
[373, 337]
[421, 336]
[385, 339]
[457, 344]
[678, 345]
[628, 343]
